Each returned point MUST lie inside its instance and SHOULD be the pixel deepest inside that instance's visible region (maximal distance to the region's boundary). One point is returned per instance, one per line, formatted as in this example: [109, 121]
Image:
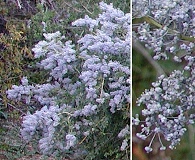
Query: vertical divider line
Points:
[130, 80]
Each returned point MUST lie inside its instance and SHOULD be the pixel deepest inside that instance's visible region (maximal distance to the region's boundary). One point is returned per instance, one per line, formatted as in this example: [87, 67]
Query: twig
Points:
[69, 5]
[192, 139]
[82, 140]
[153, 22]
[145, 53]
[102, 88]
[86, 9]
[16, 108]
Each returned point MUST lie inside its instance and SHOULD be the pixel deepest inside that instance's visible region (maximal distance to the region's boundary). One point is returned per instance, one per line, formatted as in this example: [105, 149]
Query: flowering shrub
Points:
[87, 89]
[168, 28]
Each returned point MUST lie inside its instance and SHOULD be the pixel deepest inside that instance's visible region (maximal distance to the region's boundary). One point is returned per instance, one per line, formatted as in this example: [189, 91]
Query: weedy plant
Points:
[85, 100]
[14, 52]
[168, 29]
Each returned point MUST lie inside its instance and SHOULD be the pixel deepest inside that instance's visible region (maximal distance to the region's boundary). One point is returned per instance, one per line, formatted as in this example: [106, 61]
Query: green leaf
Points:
[3, 114]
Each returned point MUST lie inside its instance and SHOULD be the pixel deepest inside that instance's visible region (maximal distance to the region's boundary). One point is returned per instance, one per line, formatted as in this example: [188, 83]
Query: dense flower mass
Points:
[85, 82]
[168, 106]
[167, 27]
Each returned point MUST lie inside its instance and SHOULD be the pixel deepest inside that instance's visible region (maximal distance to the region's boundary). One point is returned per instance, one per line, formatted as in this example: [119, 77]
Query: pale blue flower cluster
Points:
[167, 27]
[58, 57]
[43, 121]
[84, 82]
[168, 108]
[39, 93]
[124, 133]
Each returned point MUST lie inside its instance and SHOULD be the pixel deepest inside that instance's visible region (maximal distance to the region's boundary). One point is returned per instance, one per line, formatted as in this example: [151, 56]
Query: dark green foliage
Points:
[107, 147]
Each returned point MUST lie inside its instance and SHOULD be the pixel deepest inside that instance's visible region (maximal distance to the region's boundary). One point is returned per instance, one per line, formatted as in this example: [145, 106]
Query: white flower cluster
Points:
[111, 41]
[84, 82]
[30, 93]
[57, 55]
[124, 133]
[168, 108]
[43, 121]
[166, 26]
